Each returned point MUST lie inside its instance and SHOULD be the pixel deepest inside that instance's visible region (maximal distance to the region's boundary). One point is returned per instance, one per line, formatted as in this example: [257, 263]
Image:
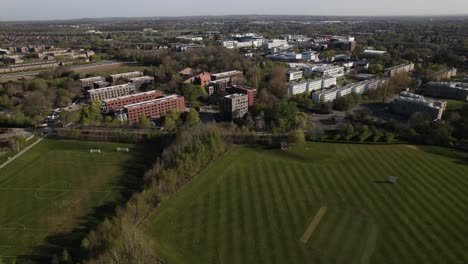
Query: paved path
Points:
[21, 153]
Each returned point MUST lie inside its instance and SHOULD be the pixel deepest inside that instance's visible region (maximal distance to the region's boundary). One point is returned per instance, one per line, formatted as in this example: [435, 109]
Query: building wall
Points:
[89, 82]
[234, 106]
[155, 108]
[111, 92]
[407, 104]
[447, 90]
[120, 102]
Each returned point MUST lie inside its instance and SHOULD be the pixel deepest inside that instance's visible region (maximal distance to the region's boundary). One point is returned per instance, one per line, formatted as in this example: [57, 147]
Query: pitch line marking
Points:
[311, 228]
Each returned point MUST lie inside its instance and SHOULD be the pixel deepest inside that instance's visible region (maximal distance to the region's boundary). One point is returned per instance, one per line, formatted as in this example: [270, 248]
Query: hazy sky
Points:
[67, 9]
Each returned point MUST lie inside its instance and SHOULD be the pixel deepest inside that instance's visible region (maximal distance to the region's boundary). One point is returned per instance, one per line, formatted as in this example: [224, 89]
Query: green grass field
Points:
[53, 187]
[254, 206]
[455, 105]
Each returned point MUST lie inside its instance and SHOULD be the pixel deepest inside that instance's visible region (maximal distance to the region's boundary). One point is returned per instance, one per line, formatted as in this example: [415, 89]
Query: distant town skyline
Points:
[60, 9]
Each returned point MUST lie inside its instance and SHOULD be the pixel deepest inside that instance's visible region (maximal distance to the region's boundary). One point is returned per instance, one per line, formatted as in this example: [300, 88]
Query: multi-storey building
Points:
[274, 43]
[88, 83]
[139, 81]
[293, 75]
[389, 72]
[328, 81]
[451, 90]
[154, 108]
[311, 85]
[126, 76]
[325, 70]
[409, 103]
[325, 95]
[297, 88]
[203, 79]
[443, 74]
[117, 103]
[249, 91]
[228, 74]
[315, 84]
[235, 106]
[359, 88]
[111, 91]
[220, 85]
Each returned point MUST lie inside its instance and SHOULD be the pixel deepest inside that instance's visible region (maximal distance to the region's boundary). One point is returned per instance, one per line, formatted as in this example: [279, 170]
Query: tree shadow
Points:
[131, 181]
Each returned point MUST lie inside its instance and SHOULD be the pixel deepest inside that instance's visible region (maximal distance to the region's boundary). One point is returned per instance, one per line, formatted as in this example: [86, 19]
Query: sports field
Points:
[54, 187]
[320, 203]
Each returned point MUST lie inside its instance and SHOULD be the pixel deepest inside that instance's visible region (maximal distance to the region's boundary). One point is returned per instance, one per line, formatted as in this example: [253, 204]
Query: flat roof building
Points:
[450, 90]
[111, 91]
[235, 106]
[126, 76]
[249, 91]
[139, 81]
[293, 75]
[155, 108]
[224, 75]
[389, 72]
[409, 103]
[117, 103]
[88, 83]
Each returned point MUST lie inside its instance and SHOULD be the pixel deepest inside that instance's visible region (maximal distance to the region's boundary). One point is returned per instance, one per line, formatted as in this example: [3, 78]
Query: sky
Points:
[14, 10]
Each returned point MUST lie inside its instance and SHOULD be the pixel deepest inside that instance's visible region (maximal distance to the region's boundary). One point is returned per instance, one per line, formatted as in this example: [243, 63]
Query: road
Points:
[20, 153]
[77, 67]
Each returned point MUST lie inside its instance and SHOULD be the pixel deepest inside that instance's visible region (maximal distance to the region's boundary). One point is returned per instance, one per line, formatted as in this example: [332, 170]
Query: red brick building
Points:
[154, 108]
[249, 91]
[203, 79]
[121, 101]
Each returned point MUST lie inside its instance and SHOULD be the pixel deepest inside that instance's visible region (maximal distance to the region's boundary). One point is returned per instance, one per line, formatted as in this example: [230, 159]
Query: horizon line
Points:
[229, 15]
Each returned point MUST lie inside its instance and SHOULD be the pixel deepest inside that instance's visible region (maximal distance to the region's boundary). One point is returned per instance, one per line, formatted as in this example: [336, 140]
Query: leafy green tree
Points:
[193, 117]
[193, 92]
[144, 122]
[296, 137]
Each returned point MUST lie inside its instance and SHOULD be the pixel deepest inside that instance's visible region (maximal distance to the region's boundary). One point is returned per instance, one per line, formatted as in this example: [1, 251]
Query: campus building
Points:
[311, 85]
[359, 88]
[126, 76]
[117, 103]
[154, 108]
[235, 106]
[325, 70]
[139, 81]
[450, 90]
[226, 75]
[389, 72]
[111, 91]
[88, 83]
[293, 76]
[409, 103]
[203, 79]
[249, 91]
[443, 74]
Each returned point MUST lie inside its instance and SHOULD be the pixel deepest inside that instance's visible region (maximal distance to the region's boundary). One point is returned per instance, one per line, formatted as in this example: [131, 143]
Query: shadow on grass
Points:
[132, 181]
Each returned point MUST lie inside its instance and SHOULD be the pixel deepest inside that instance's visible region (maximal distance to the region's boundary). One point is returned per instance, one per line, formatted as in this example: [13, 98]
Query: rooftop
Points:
[130, 96]
[165, 98]
[110, 88]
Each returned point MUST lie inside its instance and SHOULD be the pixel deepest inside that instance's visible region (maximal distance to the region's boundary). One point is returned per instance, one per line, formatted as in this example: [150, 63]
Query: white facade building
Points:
[294, 75]
[112, 91]
[273, 43]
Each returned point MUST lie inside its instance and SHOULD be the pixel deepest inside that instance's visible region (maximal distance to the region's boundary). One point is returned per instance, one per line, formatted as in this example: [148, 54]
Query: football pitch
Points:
[53, 187]
[320, 203]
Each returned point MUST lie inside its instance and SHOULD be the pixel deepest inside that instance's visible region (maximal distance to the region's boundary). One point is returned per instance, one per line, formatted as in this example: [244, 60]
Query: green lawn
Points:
[455, 105]
[50, 191]
[254, 206]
